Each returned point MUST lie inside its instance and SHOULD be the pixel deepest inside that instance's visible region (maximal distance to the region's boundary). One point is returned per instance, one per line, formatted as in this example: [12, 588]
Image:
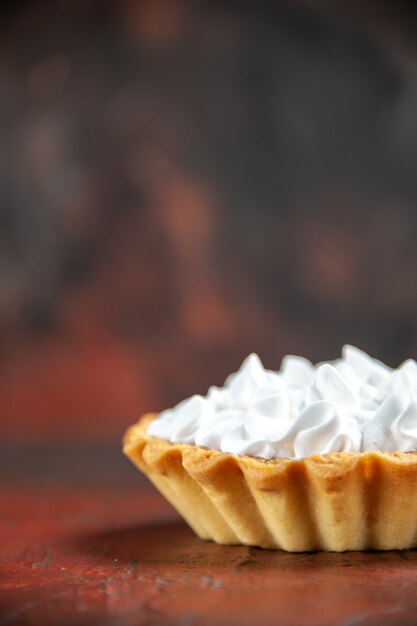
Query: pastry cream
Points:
[353, 404]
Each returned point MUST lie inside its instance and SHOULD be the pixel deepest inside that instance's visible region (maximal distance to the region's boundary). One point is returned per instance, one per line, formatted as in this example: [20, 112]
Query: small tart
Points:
[336, 502]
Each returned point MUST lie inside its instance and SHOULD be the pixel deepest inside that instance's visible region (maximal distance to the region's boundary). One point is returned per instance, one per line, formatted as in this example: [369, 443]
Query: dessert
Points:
[307, 458]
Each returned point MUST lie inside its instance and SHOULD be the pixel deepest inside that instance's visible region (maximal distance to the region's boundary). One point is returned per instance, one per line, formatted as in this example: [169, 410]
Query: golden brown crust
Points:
[340, 501]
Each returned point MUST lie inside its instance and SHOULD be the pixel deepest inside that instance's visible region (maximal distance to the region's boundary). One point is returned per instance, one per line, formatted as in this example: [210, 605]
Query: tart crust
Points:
[336, 502]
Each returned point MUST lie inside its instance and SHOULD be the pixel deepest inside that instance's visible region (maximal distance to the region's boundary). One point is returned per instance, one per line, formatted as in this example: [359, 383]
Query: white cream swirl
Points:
[353, 404]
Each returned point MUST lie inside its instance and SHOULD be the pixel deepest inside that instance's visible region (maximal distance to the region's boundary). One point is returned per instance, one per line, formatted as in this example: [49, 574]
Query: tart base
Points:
[334, 502]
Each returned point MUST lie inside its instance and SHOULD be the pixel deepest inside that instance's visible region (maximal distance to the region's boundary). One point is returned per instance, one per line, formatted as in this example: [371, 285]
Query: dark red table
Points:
[112, 552]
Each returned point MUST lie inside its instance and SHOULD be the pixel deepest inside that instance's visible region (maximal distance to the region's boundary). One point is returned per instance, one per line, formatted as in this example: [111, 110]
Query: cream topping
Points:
[353, 404]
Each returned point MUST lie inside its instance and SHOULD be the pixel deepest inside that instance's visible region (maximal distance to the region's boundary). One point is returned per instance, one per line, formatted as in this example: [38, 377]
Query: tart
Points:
[346, 494]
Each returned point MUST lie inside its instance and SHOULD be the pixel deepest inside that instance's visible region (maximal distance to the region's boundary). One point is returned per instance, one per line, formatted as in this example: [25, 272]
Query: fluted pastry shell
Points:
[336, 502]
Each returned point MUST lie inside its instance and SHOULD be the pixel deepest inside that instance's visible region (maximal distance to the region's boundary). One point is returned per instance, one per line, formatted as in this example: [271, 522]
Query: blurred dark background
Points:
[182, 183]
